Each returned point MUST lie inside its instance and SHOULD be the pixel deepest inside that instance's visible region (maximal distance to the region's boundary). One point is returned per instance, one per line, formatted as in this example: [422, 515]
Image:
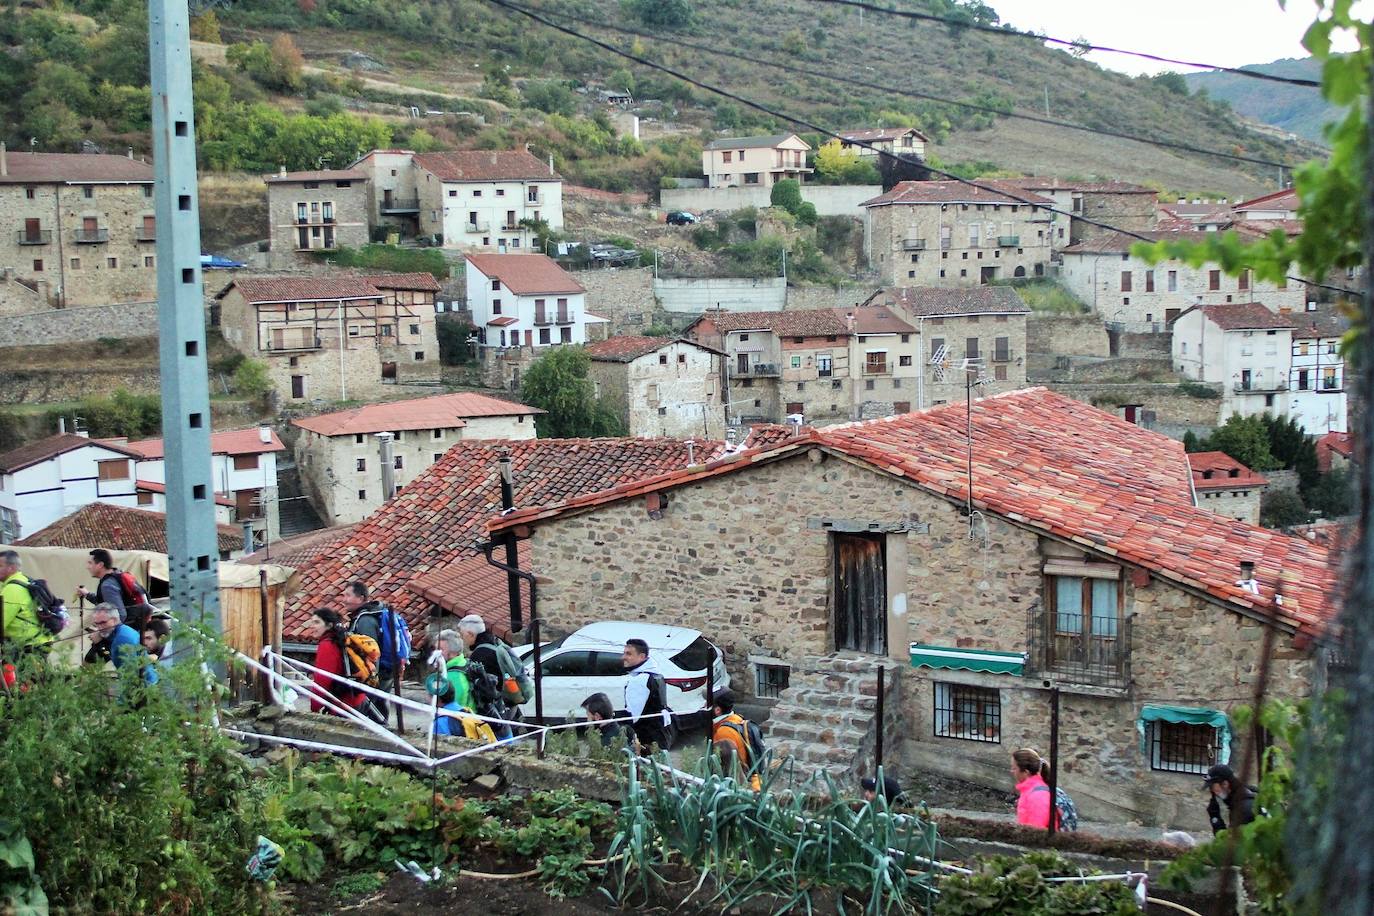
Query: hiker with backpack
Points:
[118, 589]
[737, 741]
[373, 619]
[1029, 771]
[118, 643]
[497, 662]
[327, 626]
[646, 698]
[600, 714]
[23, 631]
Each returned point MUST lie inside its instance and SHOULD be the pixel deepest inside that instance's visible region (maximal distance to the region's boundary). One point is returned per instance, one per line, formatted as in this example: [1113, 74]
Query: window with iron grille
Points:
[1177, 747]
[971, 713]
[770, 680]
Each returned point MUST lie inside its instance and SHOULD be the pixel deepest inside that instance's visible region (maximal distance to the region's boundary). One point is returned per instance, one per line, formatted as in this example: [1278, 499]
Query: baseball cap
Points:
[891, 788]
[1219, 773]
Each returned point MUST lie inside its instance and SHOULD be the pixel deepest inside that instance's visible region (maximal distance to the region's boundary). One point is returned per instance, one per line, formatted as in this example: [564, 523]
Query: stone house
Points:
[746, 162]
[393, 197]
[885, 351]
[43, 481]
[1132, 294]
[1225, 486]
[1243, 347]
[958, 333]
[477, 199]
[340, 455]
[335, 337]
[816, 560]
[1316, 378]
[946, 233]
[660, 386]
[1335, 451]
[78, 229]
[870, 142]
[1130, 207]
[315, 211]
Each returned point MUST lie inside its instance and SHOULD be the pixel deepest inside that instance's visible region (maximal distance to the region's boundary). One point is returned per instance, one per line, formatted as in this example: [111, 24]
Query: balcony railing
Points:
[36, 237]
[1008, 241]
[145, 235]
[757, 370]
[480, 225]
[877, 368]
[1079, 658]
[90, 236]
[401, 205]
[282, 346]
[542, 319]
[913, 244]
[565, 317]
[314, 220]
[510, 227]
[946, 243]
[1260, 386]
[1002, 356]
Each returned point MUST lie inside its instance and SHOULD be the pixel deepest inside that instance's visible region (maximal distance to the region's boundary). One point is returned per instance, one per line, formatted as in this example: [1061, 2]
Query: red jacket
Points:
[329, 657]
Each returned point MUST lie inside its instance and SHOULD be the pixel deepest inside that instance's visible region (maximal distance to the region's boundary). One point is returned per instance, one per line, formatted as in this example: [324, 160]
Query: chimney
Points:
[131, 154]
[62, 426]
[388, 465]
[551, 171]
[849, 321]
[1247, 579]
[4, 160]
[794, 423]
[265, 434]
[282, 171]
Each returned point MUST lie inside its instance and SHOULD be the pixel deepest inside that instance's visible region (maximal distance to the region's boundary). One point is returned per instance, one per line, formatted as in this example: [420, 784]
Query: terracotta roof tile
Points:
[300, 549]
[1244, 316]
[1074, 472]
[471, 585]
[956, 192]
[302, 289]
[875, 319]
[118, 528]
[442, 411]
[1042, 183]
[932, 302]
[73, 168]
[1334, 443]
[526, 274]
[1287, 199]
[229, 442]
[486, 165]
[1121, 242]
[1262, 228]
[418, 281]
[800, 323]
[35, 452]
[626, 348]
[1318, 326]
[1219, 471]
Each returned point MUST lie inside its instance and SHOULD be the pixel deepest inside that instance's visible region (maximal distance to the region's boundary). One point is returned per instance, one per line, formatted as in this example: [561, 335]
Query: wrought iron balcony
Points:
[1082, 657]
[909, 244]
[282, 346]
[91, 236]
[145, 235]
[401, 205]
[35, 237]
[877, 368]
[757, 370]
[1003, 356]
[1008, 241]
[480, 225]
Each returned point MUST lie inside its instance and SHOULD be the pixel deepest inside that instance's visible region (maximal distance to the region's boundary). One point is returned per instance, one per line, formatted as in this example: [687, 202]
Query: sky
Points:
[1228, 33]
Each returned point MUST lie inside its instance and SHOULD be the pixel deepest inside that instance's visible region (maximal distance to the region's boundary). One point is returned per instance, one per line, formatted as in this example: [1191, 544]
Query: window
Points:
[868, 384]
[1303, 379]
[796, 362]
[477, 193]
[419, 356]
[1178, 747]
[1172, 281]
[360, 464]
[999, 373]
[1244, 281]
[362, 494]
[936, 345]
[1329, 380]
[836, 384]
[682, 359]
[663, 359]
[399, 463]
[437, 456]
[971, 713]
[1085, 606]
[114, 469]
[743, 337]
[544, 335]
[88, 192]
[297, 386]
[145, 498]
[1149, 281]
[1214, 280]
[414, 329]
[770, 680]
[38, 265]
[148, 261]
[565, 334]
[496, 306]
[971, 347]
[437, 434]
[824, 365]
[75, 263]
[906, 338]
[663, 411]
[1125, 281]
[29, 193]
[386, 330]
[727, 156]
[500, 192]
[245, 462]
[904, 360]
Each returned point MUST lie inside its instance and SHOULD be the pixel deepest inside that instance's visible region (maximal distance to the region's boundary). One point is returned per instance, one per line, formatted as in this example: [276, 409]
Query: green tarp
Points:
[1187, 715]
[924, 656]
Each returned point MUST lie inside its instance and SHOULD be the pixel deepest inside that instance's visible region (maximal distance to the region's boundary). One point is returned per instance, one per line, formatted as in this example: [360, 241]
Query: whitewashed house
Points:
[1316, 379]
[46, 480]
[525, 300]
[477, 199]
[1243, 347]
[660, 386]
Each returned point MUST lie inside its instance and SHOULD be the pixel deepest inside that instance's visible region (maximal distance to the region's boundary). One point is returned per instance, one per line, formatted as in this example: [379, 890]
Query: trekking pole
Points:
[878, 718]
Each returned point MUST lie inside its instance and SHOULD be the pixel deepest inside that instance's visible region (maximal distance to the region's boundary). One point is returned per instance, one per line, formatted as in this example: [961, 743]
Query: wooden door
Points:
[860, 576]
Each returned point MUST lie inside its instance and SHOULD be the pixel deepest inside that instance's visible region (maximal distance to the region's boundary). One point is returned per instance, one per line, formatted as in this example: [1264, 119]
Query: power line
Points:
[816, 128]
[1079, 44]
[972, 106]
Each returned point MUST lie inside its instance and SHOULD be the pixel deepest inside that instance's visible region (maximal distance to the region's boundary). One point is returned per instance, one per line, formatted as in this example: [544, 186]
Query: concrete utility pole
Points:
[192, 545]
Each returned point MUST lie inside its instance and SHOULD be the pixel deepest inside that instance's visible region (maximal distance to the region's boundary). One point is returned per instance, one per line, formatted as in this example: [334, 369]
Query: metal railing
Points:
[757, 370]
[145, 235]
[90, 236]
[1008, 241]
[1082, 657]
[913, 244]
[1260, 386]
[36, 237]
[1003, 356]
[877, 368]
[276, 347]
[400, 204]
[480, 225]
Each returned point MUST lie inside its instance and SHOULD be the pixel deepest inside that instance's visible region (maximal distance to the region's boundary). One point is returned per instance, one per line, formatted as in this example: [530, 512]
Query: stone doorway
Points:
[860, 592]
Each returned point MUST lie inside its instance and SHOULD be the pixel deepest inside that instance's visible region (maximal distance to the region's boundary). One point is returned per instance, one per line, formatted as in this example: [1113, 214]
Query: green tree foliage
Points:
[1191, 443]
[205, 27]
[557, 382]
[1293, 450]
[121, 414]
[1282, 509]
[1333, 495]
[394, 259]
[787, 195]
[662, 14]
[276, 66]
[453, 332]
[837, 165]
[552, 96]
[1171, 82]
[1245, 439]
[251, 379]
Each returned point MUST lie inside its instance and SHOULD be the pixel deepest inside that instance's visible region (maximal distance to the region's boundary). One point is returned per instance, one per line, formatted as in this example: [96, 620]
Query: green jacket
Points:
[462, 693]
[21, 614]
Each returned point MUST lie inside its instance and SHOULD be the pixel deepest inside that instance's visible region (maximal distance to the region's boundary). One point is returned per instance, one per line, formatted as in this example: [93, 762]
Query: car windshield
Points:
[696, 657]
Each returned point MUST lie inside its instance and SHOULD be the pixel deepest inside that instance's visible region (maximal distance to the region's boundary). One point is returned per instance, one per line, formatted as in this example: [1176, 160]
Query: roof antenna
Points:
[974, 377]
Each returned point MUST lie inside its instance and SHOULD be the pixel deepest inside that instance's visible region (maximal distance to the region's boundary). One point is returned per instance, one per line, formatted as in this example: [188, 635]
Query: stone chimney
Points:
[131, 154]
[4, 160]
[281, 171]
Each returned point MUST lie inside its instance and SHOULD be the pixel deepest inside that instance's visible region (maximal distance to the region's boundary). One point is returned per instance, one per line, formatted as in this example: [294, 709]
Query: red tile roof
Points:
[1316, 326]
[301, 289]
[229, 442]
[118, 528]
[37, 452]
[1262, 228]
[1287, 199]
[486, 165]
[325, 175]
[1219, 471]
[471, 585]
[875, 319]
[435, 519]
[1121, 242]
[441, 411]
[152, 486]
[1334, 443]
[73, 168]
[626, 348]
[298, 550]
[933, 302]
[1243, 316]
[1055, 465]
[956, 192]
[502, 322]
[526, 274]
[800, 323]
[415, 281]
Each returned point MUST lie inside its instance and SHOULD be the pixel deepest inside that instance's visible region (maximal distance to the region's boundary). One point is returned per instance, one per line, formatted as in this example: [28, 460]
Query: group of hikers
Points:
[124, 626]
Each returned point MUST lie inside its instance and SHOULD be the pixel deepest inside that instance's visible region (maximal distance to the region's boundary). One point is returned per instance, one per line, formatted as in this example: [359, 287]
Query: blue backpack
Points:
[395, 641]
[1068, 811]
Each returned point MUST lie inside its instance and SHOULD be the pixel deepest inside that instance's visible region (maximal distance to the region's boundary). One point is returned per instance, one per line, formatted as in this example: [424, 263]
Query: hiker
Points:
[1223, 785]
[327, 626]
[891, 790]
[736, 740]
[22, 632]
[646, 698]
[117, 642]
[1034, 800]
[374, 619]
[599, 710]
[483, 670]
[451, 647]
[118, 589]
[157, 639]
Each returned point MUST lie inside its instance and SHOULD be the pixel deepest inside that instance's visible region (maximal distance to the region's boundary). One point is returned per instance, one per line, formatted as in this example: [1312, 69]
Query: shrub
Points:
[1198, 390]
[787, 194]
[393, 258]
[1282, 509]
[453, 333]
[251, 379]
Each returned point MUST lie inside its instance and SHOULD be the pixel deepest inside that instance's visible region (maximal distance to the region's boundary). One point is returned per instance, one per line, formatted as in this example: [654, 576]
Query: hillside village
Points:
[832, 402]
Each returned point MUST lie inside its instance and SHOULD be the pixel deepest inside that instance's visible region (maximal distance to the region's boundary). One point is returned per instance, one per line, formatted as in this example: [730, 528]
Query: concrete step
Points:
[827, 700]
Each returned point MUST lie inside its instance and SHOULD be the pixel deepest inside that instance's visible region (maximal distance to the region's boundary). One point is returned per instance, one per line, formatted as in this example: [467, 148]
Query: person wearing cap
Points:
[1239, 799]
[892, 791]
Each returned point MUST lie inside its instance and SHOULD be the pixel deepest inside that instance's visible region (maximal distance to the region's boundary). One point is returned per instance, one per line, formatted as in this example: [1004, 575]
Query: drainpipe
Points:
[343, 385]
[61, 255]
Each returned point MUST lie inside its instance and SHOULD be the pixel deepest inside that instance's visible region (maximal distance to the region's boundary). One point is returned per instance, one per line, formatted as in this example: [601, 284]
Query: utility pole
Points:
[192, 545]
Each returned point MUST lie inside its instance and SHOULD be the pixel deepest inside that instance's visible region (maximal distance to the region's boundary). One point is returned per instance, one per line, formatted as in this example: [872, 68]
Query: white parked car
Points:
[589, 661]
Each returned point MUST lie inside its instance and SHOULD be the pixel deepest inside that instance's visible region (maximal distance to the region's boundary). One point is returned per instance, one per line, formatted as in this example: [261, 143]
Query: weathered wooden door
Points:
[860, 593]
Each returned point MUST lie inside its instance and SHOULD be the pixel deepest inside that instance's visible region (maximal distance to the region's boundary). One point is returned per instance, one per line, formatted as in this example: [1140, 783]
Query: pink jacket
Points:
[1032, 807]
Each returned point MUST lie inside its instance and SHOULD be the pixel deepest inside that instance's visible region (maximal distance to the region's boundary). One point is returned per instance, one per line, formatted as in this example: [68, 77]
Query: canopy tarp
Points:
[1187, 715]
[926, 656]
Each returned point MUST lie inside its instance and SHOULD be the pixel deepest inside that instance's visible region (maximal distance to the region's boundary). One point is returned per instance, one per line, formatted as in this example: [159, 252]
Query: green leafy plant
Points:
[251, 379]
[557, 382]
[20, 891]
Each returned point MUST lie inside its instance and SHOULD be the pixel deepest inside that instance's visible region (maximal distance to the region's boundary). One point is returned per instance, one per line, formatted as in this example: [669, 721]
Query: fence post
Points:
[264, 682]
[710, 702]
[538, 679]
[878, 747]
[1054, 757]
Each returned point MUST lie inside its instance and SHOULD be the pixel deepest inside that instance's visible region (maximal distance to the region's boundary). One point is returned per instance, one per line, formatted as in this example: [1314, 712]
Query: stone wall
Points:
[1238, 504]
[24, 298]
[37, 386]
[801, 298]
[345, 228]
[1170, 406]
[79, 325]
[692, 296]
[829, 200]
[1153, 346]
[747, 558]
[623, 296]
[1066, 335]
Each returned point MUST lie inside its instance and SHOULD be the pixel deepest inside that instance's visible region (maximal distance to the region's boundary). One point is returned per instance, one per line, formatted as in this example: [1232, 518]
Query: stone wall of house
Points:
[24, 298]
[905, 247]
[1066, 335]
[1128, 212]
[746, 558]
[79, 325]
[1238, 504]
[801, 298]
[623, 296]
[348, 228]
[1150, 346]
[1170, 406]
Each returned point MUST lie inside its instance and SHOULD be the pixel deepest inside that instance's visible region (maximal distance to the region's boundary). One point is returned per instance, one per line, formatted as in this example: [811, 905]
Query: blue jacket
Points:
[125, 648]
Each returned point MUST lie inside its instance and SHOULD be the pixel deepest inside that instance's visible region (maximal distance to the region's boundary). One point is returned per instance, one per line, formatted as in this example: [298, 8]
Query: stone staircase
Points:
[824, 718]
[296, 515]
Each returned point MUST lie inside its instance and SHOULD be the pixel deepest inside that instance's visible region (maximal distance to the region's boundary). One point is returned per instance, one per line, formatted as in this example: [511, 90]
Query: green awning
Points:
[924, 656]
[1187, 715]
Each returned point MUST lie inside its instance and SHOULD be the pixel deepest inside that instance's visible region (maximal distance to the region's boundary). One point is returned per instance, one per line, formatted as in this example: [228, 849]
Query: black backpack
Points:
[52, 613]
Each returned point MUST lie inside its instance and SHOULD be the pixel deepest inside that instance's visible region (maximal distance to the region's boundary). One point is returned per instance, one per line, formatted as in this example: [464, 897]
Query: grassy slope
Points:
[1299, 109]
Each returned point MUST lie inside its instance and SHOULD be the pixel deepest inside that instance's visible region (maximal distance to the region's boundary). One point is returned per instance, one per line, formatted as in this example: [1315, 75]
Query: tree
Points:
[251, 379]
[557, 382]
[1282, 509]
[205, 27]
[837, 165]
[1293, 449]
[1191, 443]
[287, 62]
[1333, 496]
[1171, 81]
[787, 195]
[552, 96]
[664, 14]
[1245, 439]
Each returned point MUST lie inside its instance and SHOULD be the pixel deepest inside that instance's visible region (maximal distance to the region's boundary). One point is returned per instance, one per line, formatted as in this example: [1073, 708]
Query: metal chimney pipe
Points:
[4, 160]
[384, 454]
